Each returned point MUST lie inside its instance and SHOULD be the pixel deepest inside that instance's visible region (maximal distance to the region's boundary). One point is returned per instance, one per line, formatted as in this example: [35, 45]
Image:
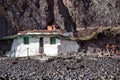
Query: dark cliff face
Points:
[17, 15]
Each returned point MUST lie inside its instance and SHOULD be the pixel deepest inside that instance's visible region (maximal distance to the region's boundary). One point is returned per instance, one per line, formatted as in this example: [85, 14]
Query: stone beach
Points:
[61, 68]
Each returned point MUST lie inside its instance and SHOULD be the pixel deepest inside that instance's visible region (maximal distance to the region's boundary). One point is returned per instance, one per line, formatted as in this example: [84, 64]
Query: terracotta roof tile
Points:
[40, 31]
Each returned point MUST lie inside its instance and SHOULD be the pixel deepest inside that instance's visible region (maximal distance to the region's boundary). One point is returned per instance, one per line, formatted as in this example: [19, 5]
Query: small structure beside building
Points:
[41, 42]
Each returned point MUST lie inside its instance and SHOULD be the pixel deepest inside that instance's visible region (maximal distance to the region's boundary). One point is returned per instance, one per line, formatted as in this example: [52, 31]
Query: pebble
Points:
[82, 68]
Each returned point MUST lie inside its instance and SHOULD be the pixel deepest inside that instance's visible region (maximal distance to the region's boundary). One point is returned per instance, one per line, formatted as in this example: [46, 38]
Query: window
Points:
[26, 40]
[52, 40]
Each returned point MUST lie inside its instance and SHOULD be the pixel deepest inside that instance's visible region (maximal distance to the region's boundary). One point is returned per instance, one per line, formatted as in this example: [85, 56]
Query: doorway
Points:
[41, 45]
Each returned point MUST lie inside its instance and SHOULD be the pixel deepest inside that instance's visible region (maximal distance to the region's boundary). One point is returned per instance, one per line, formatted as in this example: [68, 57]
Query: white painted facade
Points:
[51, 49]
[19, 49]
[68, 47]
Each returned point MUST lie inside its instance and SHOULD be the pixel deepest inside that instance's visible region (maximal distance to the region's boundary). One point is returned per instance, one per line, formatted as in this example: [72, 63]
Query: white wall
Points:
[68, 46]
[61, 46]
[21, 48]
[51, 49]
[33, 48]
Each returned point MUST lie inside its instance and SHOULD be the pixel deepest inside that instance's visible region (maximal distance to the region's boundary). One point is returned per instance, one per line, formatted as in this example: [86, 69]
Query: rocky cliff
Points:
[17, 15]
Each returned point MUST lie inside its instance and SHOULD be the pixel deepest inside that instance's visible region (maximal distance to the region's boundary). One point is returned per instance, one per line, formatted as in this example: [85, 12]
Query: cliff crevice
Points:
[69, 15]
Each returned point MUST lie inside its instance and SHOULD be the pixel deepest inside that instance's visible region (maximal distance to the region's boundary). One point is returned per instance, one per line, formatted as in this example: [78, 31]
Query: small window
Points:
[26, 40]
[52, 40]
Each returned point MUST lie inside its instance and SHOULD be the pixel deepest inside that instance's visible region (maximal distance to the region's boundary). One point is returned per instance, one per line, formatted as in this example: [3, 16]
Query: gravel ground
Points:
[67, 68]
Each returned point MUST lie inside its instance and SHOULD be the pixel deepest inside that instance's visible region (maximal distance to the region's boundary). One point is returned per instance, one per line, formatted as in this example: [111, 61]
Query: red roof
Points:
[41, 31]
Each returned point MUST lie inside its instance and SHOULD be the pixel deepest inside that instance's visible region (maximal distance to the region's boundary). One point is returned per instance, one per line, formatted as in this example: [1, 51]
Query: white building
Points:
[41, 42]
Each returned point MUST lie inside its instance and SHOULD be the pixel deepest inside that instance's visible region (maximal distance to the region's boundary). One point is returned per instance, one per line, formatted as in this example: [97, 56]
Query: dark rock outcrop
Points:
[17, 15]
[69, 15]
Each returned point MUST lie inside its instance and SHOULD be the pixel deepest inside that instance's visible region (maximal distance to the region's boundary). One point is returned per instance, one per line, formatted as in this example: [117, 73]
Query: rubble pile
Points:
[69, 68]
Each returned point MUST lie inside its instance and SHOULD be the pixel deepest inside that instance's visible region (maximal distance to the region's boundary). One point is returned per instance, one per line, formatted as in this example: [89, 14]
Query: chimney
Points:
[49, 27]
